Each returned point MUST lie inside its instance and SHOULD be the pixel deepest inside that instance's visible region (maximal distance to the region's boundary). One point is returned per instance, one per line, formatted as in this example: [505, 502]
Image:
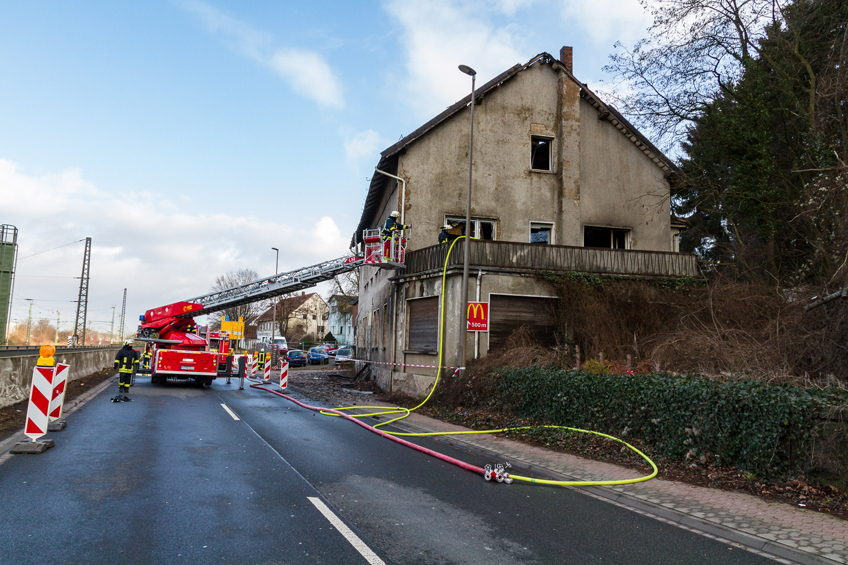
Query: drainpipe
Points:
[477, 334]
[402, 193]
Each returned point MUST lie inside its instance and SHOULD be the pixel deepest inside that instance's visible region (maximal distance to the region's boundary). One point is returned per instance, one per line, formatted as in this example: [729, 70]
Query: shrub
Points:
[767, 430]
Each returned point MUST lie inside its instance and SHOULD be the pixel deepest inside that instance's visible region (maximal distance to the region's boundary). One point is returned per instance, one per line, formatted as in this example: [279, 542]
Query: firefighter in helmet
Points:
[444, 236]
[391, 227]
[126, 362]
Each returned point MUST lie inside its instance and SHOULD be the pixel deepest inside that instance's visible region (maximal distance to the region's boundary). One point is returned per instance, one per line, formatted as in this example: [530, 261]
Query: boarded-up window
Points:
[423, 324]
[508, 313]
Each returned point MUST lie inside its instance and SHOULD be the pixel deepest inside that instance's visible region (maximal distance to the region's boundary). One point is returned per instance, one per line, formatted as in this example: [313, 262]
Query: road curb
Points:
[69, 408]
[752, 543]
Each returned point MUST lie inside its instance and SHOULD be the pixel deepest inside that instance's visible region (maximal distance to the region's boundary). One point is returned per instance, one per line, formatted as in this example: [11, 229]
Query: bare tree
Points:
[230, 280]
[696, 51]
[347, 284]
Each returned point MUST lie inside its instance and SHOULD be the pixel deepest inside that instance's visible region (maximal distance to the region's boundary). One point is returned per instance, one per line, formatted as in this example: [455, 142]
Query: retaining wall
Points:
[16, 371]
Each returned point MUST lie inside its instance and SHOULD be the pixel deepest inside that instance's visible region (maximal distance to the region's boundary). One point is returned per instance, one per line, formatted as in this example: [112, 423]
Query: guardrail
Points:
[16, 350]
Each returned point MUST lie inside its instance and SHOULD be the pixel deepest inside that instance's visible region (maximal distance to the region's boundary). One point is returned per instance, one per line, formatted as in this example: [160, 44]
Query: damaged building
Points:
[561, 182]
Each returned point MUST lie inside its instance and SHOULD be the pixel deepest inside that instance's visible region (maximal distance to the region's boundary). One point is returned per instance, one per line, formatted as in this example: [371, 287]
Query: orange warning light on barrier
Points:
[46, 356]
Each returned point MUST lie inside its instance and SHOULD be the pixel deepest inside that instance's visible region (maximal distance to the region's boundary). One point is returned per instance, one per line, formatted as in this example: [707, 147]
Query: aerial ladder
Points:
[178, 352]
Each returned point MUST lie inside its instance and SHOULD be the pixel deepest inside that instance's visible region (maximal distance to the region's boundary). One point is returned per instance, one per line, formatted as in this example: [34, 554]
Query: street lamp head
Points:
[467, 70]
[275, 249]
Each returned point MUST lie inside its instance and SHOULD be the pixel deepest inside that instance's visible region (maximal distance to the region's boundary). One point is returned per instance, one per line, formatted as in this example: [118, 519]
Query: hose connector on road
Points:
[498, 473]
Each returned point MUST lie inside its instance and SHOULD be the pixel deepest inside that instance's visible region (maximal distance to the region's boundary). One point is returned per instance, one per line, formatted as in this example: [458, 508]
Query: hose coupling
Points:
[497, 472]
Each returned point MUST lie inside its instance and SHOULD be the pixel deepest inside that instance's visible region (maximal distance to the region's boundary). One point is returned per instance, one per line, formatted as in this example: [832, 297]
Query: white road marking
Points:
[230, 412]
[354, 540]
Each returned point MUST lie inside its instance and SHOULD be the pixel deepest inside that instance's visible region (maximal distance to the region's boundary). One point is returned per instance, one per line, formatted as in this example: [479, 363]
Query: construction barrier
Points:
[37, 418]
[57, 399]
[284, 376]
[267, 370]
[254, 365]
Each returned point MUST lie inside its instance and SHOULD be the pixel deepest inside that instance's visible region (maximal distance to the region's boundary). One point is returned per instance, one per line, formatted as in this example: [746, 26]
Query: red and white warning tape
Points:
[406, 364]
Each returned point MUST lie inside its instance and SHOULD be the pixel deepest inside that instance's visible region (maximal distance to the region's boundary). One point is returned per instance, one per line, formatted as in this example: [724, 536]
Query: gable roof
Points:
[388, 158]
[291, 303]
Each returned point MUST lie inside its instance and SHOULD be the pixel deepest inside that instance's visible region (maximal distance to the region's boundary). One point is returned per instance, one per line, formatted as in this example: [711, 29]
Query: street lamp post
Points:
[463, 304]
[274, 314]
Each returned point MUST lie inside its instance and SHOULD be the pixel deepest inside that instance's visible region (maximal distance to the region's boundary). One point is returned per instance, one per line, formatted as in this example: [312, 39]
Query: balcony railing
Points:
[533, 257]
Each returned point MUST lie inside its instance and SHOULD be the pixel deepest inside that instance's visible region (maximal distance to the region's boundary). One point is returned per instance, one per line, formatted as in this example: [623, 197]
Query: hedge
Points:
[766, 430]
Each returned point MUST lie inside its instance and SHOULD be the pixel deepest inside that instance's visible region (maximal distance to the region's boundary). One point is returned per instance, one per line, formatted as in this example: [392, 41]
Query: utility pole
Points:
[274, 322]
[57, 327]
[29, 320]
[112, 328]
[123, 313]
[82, 300]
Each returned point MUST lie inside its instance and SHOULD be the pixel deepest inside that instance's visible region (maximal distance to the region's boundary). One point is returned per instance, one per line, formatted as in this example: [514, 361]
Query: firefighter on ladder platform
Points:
[390, 228]
[126, 362]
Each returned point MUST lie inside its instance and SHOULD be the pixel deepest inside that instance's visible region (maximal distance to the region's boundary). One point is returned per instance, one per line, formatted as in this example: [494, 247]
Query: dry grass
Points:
[723, 328]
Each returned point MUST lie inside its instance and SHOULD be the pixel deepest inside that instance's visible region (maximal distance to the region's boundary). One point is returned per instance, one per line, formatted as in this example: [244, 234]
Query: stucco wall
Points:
[620, 186]
[16, 372]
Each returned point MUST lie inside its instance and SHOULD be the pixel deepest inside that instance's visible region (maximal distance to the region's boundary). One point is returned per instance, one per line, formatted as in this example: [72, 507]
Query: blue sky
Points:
[187, 137]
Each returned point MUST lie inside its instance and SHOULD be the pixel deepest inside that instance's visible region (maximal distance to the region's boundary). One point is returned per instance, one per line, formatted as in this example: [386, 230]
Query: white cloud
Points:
[607, 21]
[365, 145]
[442, 34]
[306, 72]
[161, 254]
[309, 75]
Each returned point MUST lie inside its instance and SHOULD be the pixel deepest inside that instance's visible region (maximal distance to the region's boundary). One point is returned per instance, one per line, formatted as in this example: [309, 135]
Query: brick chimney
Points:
[565, 58]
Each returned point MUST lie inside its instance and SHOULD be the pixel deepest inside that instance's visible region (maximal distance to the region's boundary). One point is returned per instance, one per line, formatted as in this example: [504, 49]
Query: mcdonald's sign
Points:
[478, 316]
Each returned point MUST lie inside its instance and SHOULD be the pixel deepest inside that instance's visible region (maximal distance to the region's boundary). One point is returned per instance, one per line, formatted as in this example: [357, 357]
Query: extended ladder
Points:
[276, 285]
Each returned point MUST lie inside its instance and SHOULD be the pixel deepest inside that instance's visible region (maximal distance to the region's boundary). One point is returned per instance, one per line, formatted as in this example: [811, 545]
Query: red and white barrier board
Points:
[40, 394]
[284, 376]
[254, 364]
[267, 370]
[60, 384]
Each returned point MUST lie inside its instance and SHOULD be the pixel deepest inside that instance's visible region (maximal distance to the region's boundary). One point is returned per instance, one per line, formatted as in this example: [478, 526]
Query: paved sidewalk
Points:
[781, 531]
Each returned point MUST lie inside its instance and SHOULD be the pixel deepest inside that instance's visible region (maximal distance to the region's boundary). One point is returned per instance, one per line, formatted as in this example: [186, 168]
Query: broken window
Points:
[480, 228]
[607, 238]
[540, 153]
[541, 232]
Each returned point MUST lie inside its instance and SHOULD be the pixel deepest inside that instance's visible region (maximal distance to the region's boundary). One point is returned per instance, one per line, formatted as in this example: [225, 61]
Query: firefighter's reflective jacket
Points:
[390, 227]
[126, 359]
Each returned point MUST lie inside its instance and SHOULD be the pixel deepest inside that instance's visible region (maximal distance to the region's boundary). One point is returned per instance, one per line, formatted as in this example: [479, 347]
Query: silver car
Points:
[344, 354]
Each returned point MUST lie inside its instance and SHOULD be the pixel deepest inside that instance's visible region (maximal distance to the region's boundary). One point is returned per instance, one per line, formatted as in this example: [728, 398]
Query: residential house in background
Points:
[561, 182]
[341, 320]
[300, 316]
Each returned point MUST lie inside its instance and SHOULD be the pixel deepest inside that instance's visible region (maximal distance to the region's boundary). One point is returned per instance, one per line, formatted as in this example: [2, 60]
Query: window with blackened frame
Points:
[540, 153]
[480, 228]
[423, 324]
[607, 238]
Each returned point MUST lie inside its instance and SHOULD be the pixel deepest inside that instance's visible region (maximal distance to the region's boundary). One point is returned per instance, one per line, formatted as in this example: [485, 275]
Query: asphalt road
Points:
[173, 478]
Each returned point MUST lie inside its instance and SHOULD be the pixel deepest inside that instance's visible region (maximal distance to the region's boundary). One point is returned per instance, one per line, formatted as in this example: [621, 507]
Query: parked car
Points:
[331, 349]
[296, 357]
[280, 345]
[344, 354]
[317, 356]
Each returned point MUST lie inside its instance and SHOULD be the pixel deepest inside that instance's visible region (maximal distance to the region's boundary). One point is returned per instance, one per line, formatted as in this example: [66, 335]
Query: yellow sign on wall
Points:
[235, 329]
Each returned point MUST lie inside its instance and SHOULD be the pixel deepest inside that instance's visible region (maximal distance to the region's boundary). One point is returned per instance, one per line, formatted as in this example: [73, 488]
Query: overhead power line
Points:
[51, 249]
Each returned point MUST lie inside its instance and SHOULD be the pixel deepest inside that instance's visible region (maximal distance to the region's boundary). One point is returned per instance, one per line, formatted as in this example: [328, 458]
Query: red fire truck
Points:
[178, 352]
